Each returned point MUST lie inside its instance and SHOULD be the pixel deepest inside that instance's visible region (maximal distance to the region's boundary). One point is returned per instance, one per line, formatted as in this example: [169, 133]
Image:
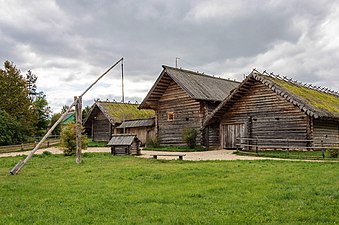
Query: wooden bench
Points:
[181, 156]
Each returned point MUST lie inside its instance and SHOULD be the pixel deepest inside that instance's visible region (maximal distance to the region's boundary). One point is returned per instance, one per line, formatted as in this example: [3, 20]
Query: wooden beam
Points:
[78, 121]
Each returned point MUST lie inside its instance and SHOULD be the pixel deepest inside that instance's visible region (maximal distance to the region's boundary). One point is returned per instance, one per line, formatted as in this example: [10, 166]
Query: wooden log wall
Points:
[143, 133]
[102, 128]
[266, 115]
[325, 130]
[210, 136]
[186, 115]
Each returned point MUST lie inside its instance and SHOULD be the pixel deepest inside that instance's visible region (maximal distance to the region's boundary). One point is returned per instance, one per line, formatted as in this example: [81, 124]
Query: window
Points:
[170, 116]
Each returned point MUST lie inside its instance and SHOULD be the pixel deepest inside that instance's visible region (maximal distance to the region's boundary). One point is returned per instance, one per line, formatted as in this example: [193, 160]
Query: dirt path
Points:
[192, 156]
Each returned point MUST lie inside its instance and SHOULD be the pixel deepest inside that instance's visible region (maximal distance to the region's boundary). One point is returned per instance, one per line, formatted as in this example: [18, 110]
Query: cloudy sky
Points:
[68, 44]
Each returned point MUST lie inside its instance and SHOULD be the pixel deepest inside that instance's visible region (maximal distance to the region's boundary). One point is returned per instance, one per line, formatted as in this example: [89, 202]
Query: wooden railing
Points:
[51, 141]
[285, 144]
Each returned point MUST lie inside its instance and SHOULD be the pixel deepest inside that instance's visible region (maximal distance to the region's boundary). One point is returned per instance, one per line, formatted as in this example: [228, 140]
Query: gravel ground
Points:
[193, 156]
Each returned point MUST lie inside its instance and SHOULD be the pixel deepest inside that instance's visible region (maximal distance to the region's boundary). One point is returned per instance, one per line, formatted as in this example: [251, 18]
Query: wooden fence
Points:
[257, 144]
[52, 141]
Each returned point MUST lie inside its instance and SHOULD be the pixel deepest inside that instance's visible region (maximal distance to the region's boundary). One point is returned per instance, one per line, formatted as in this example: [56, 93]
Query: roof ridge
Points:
[300, 84]
[199, 74]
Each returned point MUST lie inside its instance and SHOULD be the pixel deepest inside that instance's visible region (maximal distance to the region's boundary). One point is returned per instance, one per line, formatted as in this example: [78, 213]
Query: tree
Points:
[42, 113]
[31, 84]
[10, 131]
[85, 112]
[55, 118]
[15, 98]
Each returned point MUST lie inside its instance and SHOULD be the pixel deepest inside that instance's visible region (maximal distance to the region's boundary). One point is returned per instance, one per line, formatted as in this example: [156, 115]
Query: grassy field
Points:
[125, 190]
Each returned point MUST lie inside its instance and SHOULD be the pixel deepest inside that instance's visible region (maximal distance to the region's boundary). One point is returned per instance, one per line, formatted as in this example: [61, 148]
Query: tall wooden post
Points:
[78, 120]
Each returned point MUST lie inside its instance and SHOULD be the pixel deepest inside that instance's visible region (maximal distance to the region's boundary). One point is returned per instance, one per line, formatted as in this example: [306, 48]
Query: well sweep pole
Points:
[21, 164]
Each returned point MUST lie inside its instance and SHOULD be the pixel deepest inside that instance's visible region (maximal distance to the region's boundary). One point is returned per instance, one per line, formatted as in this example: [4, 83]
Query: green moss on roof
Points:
[316, 99]
[131, 111]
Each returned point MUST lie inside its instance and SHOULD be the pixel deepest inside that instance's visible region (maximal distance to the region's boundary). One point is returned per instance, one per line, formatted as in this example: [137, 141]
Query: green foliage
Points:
[129, 190]
[153, 142]
[21, 101]
[68, 139]
[333, 153]
[42, 113]
[55, 118]
[190, 136]
[92, 143]
[10, 130]
[15, 98]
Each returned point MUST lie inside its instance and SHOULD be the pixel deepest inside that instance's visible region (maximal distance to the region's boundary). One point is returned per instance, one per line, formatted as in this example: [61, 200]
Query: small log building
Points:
[124, 144]
[271, 107]
[104, 118]
[142, 128]
[183, 99]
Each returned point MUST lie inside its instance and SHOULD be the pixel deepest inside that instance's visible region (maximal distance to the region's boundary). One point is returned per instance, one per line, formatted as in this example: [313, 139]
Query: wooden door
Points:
[230, 134]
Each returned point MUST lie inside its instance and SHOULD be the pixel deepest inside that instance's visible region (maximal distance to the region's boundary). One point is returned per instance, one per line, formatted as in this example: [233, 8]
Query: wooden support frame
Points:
[21, 164]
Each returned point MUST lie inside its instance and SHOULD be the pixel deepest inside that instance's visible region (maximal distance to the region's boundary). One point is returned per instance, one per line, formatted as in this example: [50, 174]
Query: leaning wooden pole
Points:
[22, 163]
[78, 121]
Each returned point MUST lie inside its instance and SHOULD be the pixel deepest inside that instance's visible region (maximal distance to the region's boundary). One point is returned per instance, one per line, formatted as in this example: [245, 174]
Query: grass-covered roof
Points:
[321, 103]
[116, 112]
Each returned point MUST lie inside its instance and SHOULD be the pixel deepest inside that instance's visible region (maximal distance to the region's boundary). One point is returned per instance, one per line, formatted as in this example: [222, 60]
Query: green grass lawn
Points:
[126, 190]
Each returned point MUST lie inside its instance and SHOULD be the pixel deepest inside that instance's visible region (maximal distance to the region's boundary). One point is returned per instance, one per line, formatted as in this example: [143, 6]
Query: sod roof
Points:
[314, 102]
[116, 112]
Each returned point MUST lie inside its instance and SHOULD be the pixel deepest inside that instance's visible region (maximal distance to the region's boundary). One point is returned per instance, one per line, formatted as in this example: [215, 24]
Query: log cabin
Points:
[142, 128]
[265, 106]
[104, 117]
[182, 99]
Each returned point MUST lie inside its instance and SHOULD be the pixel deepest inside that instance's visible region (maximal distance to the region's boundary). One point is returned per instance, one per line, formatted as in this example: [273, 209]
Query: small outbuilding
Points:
[142, 128]
[124, 144]
[104, 117]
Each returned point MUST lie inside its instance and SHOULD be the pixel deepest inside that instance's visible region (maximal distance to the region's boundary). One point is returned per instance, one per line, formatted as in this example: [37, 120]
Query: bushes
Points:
[333, 153]
[68, 139]
[153, 142]
[189, 136]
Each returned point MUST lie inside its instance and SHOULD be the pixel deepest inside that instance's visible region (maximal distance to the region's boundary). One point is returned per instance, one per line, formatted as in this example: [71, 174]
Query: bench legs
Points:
[181, 157]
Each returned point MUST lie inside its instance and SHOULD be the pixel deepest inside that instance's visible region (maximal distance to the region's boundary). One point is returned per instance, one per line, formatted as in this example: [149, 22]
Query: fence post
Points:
[322, 149]
[256, 145]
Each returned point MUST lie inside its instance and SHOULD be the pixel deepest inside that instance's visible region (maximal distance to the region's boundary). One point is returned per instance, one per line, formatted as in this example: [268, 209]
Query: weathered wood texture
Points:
[210, 135]
[143, 133]
[102, 128]
[326, 130]
[133, 149]
[186, 115]
[263, 114]
[78, 120]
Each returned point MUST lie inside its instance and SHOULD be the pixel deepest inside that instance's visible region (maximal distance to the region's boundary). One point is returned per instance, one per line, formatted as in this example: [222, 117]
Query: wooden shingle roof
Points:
[315, 103]
[137, 123]
[197, 85]
[122, 139]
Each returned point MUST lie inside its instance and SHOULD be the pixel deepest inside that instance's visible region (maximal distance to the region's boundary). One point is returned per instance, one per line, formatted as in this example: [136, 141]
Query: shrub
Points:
[333, 153]
[189, 136]
[68, 139]
[153, 142]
